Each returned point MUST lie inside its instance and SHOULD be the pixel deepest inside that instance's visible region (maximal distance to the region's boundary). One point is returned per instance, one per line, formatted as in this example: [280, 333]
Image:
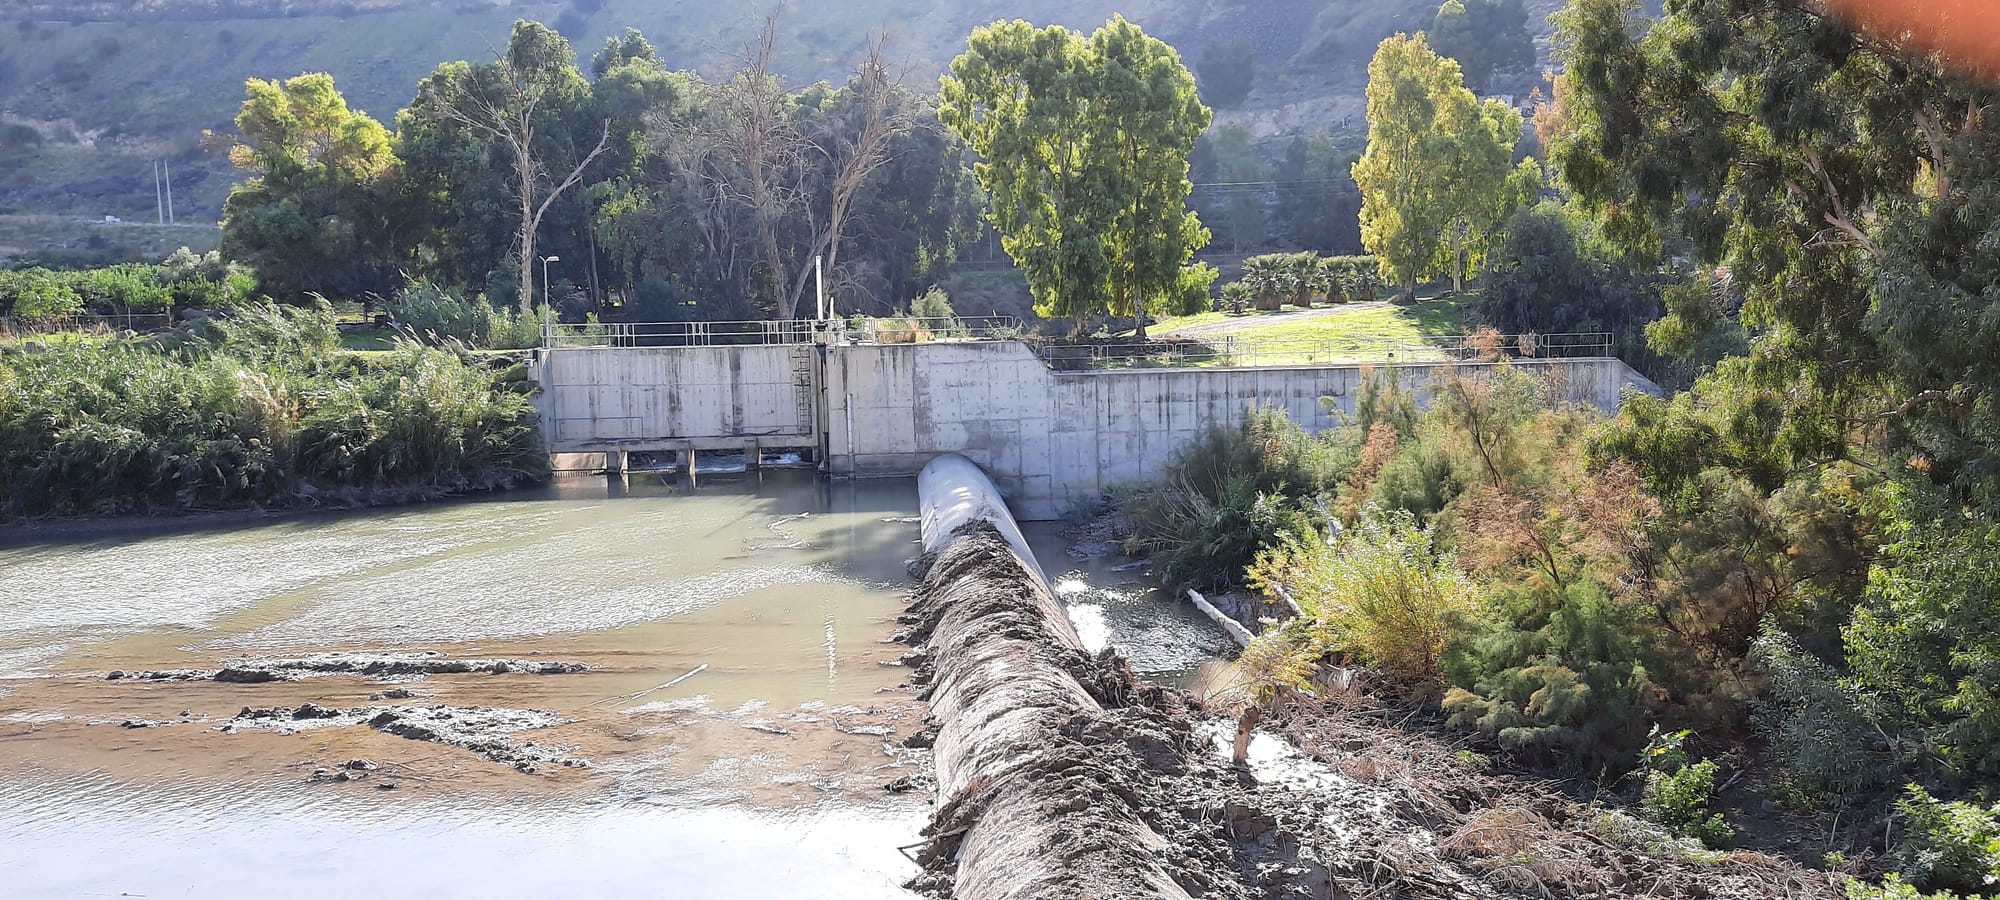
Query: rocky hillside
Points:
[92, 91]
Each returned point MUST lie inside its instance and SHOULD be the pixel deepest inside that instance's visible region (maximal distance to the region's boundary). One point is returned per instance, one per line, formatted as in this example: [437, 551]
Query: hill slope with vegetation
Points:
[92, 93]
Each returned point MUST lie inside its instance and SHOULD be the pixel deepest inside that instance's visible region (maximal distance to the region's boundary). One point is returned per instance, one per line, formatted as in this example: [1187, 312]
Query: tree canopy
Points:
[1437, 180]
[1084, 146]
[314, 215]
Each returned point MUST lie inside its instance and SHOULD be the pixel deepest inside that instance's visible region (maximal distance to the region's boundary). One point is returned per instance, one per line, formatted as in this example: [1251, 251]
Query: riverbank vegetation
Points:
[1769, 596]
[260, 410]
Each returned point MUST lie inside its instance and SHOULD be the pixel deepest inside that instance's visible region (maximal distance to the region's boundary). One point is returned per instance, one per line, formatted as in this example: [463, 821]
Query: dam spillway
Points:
[1050, 439]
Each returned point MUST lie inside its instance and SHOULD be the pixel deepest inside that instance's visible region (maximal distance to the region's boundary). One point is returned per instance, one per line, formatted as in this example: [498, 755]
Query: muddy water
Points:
[733, 734]
[1115, 601]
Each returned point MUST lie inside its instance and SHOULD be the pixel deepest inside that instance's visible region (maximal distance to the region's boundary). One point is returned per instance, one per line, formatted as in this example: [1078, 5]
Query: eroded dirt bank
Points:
[1061, 775]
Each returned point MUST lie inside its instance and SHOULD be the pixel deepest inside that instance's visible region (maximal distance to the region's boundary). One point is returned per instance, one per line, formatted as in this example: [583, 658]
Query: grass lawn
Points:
[1337, 335]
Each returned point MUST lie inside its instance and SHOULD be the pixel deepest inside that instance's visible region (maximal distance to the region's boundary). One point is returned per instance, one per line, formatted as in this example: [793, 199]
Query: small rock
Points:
[245, 676]
[345, 776]
[186, 713]
[138, 723]
[392, 694]
[499, 667]
[360, 765]
[385, 786]
[114, 675]
[321, 774]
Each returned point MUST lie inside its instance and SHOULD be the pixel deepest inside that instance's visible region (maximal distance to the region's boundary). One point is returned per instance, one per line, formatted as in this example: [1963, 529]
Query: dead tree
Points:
[506, 114]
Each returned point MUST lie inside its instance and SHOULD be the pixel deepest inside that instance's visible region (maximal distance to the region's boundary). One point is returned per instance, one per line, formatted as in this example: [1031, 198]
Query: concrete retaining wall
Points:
[661, 398]
[1052, 439]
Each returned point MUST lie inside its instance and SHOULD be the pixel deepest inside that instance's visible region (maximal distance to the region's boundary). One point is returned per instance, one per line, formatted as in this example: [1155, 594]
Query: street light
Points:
[548, 291]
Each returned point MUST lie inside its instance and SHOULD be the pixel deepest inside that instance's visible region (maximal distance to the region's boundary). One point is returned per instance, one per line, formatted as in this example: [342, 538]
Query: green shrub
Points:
[1894, 888]
[42, 296]
[1947, 846]
[1814, 721]
[1678, 791]
[1232, 492]
[436, 316]
[1379, 592]
[933, 304]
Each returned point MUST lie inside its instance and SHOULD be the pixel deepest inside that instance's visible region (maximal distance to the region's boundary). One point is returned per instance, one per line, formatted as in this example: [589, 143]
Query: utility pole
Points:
[159, 195]
[164, 166]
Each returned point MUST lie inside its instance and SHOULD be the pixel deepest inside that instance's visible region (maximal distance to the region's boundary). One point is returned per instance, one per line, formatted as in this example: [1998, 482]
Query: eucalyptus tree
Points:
[1083, 146]
[526, 103]
[1437, 180]
[1148, 100]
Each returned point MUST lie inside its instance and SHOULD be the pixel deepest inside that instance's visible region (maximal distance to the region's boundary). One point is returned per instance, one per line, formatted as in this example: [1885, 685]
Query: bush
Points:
[1947, 846]
[933, 304]
[43, 297]
[1379, 592]
[1894, 888]
[1814, 721]
[1232, 492]
[1678, 792]
[435, 316]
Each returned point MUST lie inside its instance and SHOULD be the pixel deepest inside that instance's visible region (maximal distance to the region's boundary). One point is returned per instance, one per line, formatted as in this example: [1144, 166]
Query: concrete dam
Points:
[1050, 438]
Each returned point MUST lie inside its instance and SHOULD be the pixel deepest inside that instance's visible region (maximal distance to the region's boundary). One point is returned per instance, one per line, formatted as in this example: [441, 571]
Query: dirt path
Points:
[1247, 323]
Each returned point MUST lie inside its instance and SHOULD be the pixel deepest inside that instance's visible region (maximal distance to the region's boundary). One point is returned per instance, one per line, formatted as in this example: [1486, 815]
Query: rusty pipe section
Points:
[1022, 812]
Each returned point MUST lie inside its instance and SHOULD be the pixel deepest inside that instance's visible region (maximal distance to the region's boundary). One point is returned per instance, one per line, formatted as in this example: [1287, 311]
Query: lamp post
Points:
[548, 294]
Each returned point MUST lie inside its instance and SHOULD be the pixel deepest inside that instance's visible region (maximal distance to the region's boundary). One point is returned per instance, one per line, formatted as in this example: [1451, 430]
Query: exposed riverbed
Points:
[667, 688]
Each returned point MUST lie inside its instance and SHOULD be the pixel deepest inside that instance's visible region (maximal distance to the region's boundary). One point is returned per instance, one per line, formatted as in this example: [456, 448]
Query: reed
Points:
[263, 410]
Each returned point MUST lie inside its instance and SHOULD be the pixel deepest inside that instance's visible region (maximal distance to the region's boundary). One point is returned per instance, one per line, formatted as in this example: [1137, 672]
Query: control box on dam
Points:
[1050, 437]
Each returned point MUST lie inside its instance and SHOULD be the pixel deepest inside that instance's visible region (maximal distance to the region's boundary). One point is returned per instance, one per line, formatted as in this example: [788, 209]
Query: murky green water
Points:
[782, 586]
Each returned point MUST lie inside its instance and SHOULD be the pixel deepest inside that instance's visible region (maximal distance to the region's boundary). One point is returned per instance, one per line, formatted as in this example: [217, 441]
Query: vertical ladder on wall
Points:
[803, 384]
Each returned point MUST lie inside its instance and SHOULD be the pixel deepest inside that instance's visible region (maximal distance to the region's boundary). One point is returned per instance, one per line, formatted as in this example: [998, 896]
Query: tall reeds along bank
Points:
[263, 410]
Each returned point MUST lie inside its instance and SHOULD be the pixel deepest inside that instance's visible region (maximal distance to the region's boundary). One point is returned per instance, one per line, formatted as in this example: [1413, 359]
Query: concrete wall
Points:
[659, 398]
[1055, 439]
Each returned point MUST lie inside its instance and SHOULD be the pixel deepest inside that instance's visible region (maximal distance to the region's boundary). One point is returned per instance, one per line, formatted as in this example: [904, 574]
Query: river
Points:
[734, 734]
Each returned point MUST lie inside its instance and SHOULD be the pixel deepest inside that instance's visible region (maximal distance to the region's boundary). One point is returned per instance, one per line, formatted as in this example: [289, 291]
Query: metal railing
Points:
[139, 322]
[1234, 352]
[891, 330]
[917, 330]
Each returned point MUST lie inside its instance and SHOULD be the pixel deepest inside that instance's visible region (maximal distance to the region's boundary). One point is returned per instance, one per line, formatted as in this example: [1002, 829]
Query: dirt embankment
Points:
[1060, 775]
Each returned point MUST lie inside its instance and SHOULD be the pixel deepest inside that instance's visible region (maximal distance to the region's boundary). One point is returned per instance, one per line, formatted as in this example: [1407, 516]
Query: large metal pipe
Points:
[955, 492]
[1019, 792]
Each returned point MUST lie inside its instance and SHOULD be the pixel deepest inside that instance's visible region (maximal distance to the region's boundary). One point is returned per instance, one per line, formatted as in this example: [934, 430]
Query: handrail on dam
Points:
[769, 332]
[1231, 351]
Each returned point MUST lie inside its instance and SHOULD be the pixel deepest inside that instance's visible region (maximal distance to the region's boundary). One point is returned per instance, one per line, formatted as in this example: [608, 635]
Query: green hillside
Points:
[91, 93]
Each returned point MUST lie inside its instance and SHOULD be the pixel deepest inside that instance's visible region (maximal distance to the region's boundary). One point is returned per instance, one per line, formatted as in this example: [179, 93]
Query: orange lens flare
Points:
[1965, 32]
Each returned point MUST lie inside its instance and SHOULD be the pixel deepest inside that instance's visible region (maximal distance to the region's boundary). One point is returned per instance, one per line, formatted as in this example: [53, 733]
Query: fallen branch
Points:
[658, 687]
